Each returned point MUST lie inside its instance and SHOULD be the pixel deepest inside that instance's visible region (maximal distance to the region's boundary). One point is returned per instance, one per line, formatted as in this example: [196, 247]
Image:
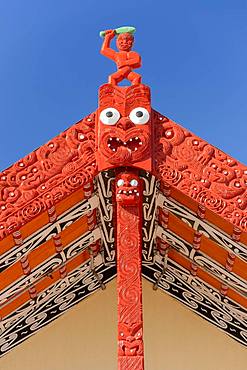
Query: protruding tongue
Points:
[122, 155]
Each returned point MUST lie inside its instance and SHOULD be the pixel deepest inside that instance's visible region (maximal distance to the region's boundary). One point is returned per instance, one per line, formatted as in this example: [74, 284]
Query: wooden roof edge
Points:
[210, 180]
[44, 177]
[206, 177]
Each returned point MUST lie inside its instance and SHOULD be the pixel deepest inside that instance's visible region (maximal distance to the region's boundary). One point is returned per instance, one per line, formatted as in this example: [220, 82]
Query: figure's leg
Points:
[134, 78]
[118, 76]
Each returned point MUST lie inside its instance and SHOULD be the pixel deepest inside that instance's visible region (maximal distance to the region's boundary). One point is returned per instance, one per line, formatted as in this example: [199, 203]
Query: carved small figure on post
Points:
[125, 59]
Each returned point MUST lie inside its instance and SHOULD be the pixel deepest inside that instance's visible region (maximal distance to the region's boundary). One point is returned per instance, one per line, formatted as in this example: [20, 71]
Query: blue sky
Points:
[194, 59]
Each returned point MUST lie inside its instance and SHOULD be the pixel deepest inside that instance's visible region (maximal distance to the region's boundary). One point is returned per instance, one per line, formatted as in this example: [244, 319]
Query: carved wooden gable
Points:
[59, 212]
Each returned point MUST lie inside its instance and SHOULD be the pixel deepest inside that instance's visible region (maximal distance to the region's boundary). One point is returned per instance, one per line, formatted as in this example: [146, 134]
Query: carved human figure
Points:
[125, 59]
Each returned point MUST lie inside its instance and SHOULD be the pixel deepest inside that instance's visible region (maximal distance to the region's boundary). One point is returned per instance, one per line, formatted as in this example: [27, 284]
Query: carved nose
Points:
[125, 123]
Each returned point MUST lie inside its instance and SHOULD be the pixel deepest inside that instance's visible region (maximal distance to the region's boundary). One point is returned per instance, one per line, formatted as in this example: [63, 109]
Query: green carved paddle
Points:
[124, 29]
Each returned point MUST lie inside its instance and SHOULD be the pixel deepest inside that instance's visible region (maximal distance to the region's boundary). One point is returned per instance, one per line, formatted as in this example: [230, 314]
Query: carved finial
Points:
[125, 59]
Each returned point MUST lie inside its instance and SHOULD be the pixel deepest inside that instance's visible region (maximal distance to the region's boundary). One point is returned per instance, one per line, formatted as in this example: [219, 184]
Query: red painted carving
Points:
[124, 138]
[179, 158]
[200, 170]
[46, 176]
[130, 341]
[128, 134]
[94, 248]
[130, 321]
[125, 59]
[133, 363]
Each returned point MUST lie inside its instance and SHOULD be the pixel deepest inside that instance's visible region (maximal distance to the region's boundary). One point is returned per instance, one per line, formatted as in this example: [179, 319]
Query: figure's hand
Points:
[121, 64]
[110, 34]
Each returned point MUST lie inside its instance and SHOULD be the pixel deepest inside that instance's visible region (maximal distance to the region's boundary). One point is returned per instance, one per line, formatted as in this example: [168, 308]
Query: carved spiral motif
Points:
[129, 297]
[32, 210]
[69, 168]
[170, 174]
[211, 202]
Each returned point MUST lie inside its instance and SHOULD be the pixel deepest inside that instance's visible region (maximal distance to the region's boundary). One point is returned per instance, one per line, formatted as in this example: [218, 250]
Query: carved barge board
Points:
[200, 176]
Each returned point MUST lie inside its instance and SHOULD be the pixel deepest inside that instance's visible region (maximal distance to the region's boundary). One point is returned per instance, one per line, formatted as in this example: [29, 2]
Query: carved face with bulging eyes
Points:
[128, 189]
[126, 141]
[124, 128]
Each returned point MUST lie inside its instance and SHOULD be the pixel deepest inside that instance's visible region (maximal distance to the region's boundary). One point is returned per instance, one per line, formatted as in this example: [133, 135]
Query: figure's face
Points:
[124, 127]
[130, 340]
[128, 189]
[125, 42]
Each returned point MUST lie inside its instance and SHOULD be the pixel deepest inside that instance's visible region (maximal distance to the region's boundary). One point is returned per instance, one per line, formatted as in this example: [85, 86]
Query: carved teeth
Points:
[124, 191]
[136, 137]
[110, 139]
[119, 191]
[131, 139]
[109, 145]
[135, 191]
[140, 143]
[135, 149]
[117, 139]
[137, 194]
[124, 143]
[113, 150]
[130, 191]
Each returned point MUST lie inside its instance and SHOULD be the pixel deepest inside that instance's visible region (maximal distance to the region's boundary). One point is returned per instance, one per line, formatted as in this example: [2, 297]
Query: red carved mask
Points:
[130, 340]
[128, 188]
[124, 127]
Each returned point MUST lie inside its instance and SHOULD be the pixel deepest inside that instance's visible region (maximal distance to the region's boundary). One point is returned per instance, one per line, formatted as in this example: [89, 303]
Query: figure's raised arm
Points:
[105, 49]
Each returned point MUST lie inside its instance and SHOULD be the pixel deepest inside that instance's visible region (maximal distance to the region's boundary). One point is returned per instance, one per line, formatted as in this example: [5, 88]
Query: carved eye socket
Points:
[139, 116]
[109, 116]
[133, 182]
[120, 182]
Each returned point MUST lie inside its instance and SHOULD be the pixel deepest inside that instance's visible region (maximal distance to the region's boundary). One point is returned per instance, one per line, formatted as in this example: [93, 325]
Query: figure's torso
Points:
[123, 56]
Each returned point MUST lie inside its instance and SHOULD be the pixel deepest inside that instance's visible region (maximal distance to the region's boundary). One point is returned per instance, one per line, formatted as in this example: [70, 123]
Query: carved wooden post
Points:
[124, 140]
[129, 284]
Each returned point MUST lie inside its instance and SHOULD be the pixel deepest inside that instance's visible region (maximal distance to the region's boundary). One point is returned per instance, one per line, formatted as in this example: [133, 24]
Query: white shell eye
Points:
[139, 116]
[133, 182]
[109, 116]
[120, 182]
